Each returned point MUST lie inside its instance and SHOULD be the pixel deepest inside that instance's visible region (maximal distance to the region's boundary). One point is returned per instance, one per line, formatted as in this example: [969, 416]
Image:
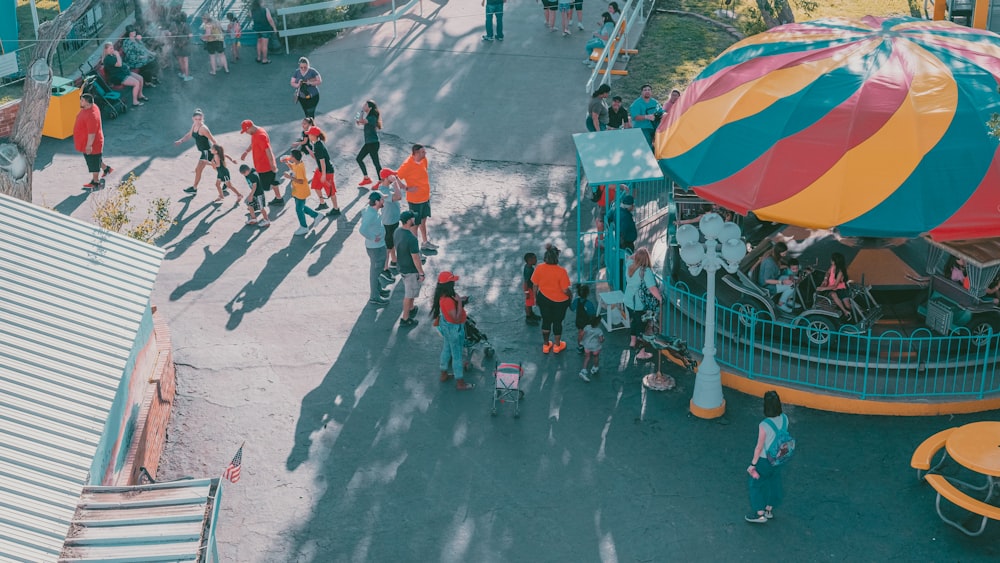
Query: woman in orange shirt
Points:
[552, 289]
[449, 315]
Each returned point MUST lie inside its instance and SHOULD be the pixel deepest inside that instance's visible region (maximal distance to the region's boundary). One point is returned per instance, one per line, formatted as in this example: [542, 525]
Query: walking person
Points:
[371, 119]
[549, 11]
[263, 26]
[413, 173]
[119, 73]
[203, 141]
[597, 111]
[88, 138]
[303, 143]
[494, 9]
[448, 312]
[642, 295]
[390, 188]
[552, 290]
[215, 43]
[374, 233]
[407, 251]
[234, 33]
[255, 201]
[223, 180]
[765, 479]
[578, 8]
[323, 182]
[263, 158]
[593, 337]
[180, 44]
[300, 192]
[306, 81]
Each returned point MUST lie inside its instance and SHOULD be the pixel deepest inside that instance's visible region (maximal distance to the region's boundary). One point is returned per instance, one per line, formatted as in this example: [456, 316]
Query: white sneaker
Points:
[430, 245]
[594, 370]
[316, 221]
[579, 25]
[583, 375]
[301, 231]
[263, 223]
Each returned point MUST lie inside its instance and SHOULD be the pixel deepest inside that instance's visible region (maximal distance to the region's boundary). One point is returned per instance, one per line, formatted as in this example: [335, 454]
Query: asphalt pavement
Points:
[355, 451]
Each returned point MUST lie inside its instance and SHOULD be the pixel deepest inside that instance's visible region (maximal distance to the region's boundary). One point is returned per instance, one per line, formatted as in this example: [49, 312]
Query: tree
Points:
[17, 154]
[779, 12]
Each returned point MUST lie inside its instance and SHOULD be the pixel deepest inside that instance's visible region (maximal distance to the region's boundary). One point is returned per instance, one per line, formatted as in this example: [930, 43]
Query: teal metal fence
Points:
[890, 365]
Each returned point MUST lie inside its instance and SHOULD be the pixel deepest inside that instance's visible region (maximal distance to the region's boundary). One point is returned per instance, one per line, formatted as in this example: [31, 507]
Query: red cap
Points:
[386, 172]
[314, 131]
[445, 277]
[247, 124]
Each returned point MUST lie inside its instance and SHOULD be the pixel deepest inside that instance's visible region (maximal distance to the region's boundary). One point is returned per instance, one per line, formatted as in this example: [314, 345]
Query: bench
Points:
[925, 452]
[958, 498]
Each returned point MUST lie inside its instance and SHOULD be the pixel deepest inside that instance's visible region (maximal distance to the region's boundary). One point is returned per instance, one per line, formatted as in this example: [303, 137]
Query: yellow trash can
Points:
[63, 107]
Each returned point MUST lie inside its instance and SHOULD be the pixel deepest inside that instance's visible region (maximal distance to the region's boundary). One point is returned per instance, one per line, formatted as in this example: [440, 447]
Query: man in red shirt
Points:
[88, 138]
[263, 158]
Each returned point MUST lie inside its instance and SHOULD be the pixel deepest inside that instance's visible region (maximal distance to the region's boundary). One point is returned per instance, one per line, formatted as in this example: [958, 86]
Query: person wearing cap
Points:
[323, 181]
[618, 115]
[263, 158]
[622, 215]
[306, 81]
[413, 173]
[374, 232]
[552, 289]
[407, 252]
[448, 312]
[390, 188]
[369, 118]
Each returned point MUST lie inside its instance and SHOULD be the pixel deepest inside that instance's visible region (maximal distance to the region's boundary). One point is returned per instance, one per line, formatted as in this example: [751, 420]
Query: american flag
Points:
[232, 472]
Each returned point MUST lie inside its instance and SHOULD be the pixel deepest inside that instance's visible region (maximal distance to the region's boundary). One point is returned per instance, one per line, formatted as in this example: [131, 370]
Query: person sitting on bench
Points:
[119, 74]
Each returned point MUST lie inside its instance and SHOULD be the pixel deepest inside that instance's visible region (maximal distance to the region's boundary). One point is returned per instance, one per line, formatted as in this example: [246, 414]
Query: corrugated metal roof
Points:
[159, 522]
[72, 297]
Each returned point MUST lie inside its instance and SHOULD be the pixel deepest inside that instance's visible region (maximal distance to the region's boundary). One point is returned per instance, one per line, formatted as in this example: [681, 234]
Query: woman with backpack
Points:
[771, 451]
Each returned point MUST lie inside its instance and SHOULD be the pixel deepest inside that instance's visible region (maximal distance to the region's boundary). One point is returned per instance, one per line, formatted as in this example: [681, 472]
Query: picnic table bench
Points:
[952, 493]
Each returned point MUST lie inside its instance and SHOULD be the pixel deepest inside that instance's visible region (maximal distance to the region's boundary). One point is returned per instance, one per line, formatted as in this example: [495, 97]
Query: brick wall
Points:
[151, 430]
[8, 112]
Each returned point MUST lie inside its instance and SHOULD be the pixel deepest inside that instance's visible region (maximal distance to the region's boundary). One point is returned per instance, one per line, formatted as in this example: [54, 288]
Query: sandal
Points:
[463, 385]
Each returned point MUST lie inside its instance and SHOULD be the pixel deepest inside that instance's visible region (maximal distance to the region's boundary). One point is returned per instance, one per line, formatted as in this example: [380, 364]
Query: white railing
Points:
[391, 16]
[632, 14]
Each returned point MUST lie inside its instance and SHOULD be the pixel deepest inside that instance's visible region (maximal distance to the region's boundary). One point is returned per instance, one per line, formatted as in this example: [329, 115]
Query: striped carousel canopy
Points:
[873, 127]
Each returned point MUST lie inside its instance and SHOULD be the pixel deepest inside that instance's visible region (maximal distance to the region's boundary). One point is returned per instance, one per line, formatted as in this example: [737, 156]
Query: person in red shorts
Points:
[88, 138]
[323, 182]
[263, 158]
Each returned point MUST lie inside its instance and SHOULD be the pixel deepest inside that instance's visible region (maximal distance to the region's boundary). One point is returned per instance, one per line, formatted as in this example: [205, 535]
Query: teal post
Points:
[8, 25]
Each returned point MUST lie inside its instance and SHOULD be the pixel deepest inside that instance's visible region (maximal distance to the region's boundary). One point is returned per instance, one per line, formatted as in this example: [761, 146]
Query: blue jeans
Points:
[497, 11]
[301, 210]
[595, 43]
[767, 490]
[590, 125]
[454, 341]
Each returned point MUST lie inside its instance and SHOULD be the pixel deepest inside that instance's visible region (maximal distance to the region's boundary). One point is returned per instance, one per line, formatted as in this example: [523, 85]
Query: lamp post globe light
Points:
[722, 248]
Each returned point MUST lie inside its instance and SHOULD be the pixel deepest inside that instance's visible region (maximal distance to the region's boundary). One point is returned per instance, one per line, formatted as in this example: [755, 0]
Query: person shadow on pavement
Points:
[216, 263]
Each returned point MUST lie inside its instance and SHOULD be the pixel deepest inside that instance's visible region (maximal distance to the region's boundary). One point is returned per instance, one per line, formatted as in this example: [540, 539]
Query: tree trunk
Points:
[17, 154]
[775, 12]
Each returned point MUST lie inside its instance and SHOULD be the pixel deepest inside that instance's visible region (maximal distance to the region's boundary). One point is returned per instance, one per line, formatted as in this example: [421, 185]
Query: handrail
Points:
[392, 16]
[617, 42]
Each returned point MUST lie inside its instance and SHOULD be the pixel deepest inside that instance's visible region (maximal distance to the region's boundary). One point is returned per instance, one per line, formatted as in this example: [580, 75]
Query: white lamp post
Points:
[722, 248]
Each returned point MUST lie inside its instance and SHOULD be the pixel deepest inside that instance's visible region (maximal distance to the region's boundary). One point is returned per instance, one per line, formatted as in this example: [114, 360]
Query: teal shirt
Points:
[642, 107]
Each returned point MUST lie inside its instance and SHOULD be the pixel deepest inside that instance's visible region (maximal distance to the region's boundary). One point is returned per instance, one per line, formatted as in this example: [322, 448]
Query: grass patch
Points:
[47, 10]
[672, 51]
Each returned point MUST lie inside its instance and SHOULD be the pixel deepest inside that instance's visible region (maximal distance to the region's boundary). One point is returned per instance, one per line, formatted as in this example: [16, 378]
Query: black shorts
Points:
[266, 179]
[215, 47]
[94, 162]
[222, 174]
[390, 232]
[578, 5]
[257, 202]
[420, 210]
[205, 155]
[550, 4]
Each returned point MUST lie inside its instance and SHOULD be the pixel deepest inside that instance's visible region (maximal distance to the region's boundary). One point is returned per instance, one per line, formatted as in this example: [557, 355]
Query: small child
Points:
[585, 310]
[222, 173]
[529, 291]
[300, 191]
[786, 292]
[234, 32]
[593, 336]
[255, 201]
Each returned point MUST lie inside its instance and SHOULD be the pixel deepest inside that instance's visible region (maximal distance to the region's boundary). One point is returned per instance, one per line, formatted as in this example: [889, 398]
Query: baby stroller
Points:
[507, 377]
[475, 337]
[108, 100]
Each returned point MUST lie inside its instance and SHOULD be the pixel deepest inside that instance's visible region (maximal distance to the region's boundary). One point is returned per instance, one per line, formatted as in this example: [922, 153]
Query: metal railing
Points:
[392, 16]
[890, 365]
[632, 13]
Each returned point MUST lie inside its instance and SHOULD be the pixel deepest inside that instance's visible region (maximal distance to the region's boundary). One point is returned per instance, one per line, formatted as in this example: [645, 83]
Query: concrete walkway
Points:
[355, 451]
